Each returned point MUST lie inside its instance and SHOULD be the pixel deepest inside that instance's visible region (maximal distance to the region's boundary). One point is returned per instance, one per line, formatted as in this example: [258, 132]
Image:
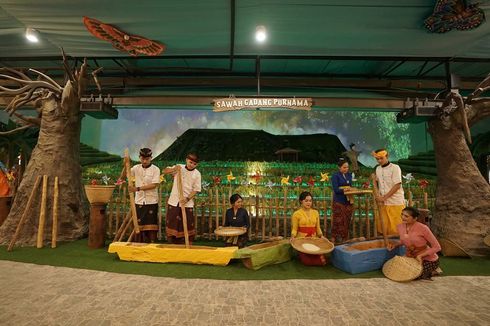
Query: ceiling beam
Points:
[333, 103]
[230, 82]
[253, 57]
[206, 102]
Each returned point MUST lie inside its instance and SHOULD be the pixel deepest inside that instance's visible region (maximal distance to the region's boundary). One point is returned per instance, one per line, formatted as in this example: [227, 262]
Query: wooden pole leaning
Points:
[159, 233]
[376, 210]
[54, 230]
[124, 228]
[132, 204]
[42, 213]
[24, 215]
[184, 214]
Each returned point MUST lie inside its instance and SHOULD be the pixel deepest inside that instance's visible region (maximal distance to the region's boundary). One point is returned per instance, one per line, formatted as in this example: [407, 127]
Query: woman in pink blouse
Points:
[419, 241]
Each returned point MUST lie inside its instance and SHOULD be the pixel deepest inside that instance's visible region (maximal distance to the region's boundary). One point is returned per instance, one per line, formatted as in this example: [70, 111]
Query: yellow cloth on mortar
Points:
[167, 253]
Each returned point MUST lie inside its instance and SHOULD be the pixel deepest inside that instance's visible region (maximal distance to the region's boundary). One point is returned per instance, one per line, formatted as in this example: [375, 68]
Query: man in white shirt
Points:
[391, 198]
[147, 179]
[191, 186]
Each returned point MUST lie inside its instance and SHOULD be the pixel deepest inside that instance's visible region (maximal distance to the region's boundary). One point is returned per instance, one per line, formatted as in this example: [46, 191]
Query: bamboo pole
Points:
[368, 221]
[202, 218]
[256, 216]
[159, 233]
[110, 218]
[353, 219]
[195, 216]
[250, 220]
[331, 218]
[54, 230]
[131, 236]
[377, 211]
[121, 207]
[269, 205]
[118, 204]
[42, 213]
[277, 215]
[285, 211]
[366, 217]
[410, 198]
[122, 228]
[182, 208]
[263, 222]
[217, 210]
[210, 215]
[124, 209]
[325, 215]
[426, 200]
[223, 216]
[24, 215]
[126, 226]
[131, 194]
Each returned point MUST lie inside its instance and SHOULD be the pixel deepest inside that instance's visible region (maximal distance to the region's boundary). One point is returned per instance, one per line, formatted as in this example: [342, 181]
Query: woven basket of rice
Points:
[230, 231]
[312, 246]
[402, 269]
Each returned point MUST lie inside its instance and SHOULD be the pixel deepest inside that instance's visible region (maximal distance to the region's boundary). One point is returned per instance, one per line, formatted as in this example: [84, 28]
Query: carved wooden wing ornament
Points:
[449, 14]
[133, 44]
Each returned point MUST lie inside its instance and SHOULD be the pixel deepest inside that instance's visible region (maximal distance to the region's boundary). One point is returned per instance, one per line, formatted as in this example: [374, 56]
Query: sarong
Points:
[174, 226]
[428, 268]
[392, 216]
[342, 215]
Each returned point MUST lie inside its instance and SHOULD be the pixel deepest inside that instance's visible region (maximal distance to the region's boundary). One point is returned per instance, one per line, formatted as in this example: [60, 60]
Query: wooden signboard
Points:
[240, 103]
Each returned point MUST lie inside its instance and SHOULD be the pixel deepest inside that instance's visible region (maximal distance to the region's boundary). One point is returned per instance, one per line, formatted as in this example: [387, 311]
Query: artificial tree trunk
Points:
[57, 153]
[462, 209]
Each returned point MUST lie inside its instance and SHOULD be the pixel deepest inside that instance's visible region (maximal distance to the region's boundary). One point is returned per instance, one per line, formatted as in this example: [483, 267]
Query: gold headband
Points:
[379, 154]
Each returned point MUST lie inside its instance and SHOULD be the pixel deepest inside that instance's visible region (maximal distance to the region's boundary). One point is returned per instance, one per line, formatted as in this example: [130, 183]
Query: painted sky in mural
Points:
[158, 129]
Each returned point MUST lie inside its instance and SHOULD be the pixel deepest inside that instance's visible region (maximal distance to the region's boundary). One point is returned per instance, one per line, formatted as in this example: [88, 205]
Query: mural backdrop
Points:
[157, 129]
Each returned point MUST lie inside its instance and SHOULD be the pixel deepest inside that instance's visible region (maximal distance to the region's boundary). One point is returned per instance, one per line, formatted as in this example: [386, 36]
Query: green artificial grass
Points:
[77, 255]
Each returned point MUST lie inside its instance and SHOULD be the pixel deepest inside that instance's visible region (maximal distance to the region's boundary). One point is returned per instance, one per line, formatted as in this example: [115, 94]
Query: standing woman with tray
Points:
[342, 208]
[236, 216]
[306, 223]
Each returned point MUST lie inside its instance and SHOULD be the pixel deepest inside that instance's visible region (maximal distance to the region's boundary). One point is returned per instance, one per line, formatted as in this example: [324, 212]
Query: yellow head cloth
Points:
[379, 154]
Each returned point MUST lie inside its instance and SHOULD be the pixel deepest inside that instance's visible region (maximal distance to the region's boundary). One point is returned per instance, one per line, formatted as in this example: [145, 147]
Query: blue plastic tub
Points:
[354, 261]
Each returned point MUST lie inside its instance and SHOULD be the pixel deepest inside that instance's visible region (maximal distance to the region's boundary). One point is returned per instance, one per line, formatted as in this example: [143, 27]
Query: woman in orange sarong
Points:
[306, 223]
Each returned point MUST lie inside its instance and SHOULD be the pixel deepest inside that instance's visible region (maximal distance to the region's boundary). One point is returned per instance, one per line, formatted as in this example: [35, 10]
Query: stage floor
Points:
[47, 295]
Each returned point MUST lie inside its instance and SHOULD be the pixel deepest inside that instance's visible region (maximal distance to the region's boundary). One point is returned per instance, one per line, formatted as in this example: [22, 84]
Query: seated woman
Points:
[419, 241]
[342, 208]
[238, 217]
[306, 223]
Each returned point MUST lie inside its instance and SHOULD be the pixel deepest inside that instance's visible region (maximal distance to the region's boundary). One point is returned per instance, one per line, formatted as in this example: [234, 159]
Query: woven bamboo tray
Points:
[450, 248]
[312, 246]
[486, 240]
[402, 269]
[230, 231]
[355, 191]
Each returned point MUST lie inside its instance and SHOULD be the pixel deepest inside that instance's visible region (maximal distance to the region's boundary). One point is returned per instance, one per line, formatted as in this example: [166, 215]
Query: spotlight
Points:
[32, 35]
[260, 34]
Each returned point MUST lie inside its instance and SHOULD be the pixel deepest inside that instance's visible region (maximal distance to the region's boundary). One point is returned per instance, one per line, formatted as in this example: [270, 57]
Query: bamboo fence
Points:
[270, 210]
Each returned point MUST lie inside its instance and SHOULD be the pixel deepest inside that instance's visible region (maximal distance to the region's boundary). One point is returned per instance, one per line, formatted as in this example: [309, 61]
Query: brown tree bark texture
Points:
[462, 211]
[57, 153]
